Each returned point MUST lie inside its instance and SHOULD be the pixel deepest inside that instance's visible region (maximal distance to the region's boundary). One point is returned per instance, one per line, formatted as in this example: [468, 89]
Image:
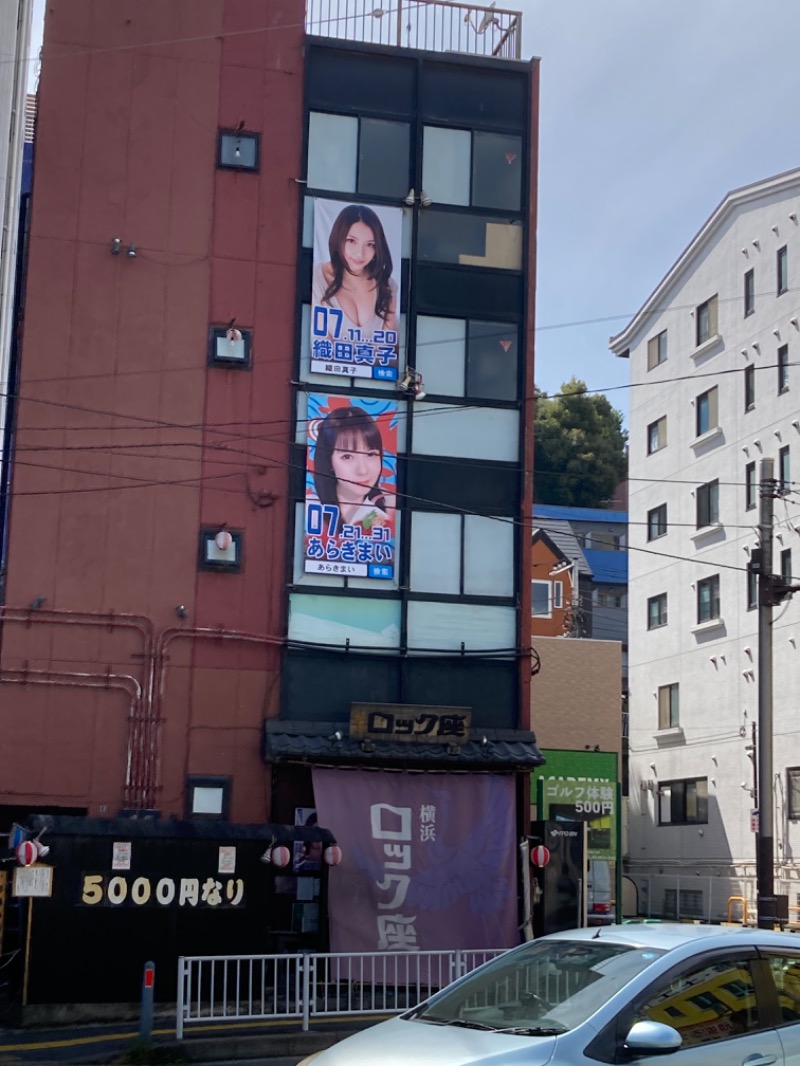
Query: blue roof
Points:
[579, 514]
[608, 568]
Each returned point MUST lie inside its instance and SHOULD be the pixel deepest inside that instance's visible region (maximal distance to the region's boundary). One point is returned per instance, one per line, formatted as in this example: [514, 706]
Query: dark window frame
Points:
[786, 565]
[240, 135]
[655, 526]
[712, 612]
[783, 368]
[784, 470]
[657, 426]
[220, 781]
[705, 407]
[752, 589]
[515, 212]
[360, 118]
[749, 292]
[793, 792]
[750, 486]
[749, 387]
[706, 321]
[669, 706]
[678, 790]
[707, 504]
[782, 269]
[657, 350]
[660, 611]
[218, 565]
[219, 333]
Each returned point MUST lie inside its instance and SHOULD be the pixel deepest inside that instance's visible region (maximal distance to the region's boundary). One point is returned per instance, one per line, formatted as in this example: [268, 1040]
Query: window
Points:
[604, 541]
[750, 486]
[783, 270]
[657, 435]
[706, 321]
[683, 802]
[783, 368]
[472, 168]
[558, 595]
[605, 598]
[785, 971]
[541, 601]
[786, 565]
[220, 549]
[474, 557]
[752, 589]
[459, 357]
[488, 241]
[657, 611]
[369, 156]
[669, 716]
[657, 350]
[230, 347]
[708, 504]
[657, 522]
[749, 387]
[784, 471]
[238, 150]
[793, 791]
[208, 797]
[708, 599]
[706, 412]
[710, 1001]
[749, 292]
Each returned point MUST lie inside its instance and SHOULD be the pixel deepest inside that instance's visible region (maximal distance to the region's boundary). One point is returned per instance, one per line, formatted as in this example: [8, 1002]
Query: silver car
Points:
[687, 995]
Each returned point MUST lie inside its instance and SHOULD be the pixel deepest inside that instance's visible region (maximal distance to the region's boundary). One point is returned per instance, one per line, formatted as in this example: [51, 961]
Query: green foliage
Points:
[579, 448]
[145, 1053]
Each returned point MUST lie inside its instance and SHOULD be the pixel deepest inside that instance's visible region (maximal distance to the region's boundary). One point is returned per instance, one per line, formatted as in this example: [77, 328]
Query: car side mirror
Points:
[654, 1037]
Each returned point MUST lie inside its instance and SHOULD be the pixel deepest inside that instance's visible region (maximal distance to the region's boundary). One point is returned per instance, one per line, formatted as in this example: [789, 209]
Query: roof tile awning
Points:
[319, 742]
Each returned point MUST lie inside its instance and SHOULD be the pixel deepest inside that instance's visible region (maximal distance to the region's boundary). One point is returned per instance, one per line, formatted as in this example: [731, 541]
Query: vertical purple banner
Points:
[429, 860]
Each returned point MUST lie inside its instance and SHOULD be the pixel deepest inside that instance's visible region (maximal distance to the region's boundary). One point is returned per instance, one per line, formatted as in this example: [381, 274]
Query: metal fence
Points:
[433, 25]
[235, 988]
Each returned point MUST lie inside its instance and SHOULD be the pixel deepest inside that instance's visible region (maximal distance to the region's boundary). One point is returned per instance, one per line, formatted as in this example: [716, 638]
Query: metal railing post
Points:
[306, 963]
[179, 1007]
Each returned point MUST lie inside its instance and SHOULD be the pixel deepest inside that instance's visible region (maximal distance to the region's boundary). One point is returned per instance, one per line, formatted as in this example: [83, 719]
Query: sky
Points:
[650, 112]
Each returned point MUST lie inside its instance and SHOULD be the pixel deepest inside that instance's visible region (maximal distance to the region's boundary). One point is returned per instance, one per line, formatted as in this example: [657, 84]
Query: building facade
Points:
[713, 361]
[272, 451]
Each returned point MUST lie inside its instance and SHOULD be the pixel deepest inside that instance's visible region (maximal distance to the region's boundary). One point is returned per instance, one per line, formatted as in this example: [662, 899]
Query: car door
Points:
[719, 1005]
[783, 968]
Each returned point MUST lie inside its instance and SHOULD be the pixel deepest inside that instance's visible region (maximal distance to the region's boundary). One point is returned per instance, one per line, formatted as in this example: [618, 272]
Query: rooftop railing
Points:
[430, 25]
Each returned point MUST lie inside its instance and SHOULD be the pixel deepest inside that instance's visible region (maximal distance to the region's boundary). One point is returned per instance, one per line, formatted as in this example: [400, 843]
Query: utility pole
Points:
[765, 844]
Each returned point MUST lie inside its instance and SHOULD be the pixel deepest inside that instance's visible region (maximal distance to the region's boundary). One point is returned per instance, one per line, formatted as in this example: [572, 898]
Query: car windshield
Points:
[545, 988]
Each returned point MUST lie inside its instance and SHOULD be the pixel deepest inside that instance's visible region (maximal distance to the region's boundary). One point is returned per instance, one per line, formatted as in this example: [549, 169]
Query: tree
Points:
[579, 448]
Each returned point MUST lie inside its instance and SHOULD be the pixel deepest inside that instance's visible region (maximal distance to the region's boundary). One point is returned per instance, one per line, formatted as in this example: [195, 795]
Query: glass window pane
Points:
[439, 569]
[441, 345]
[492, 361]
[465, 432]
[540, 599]
[207, 800]
[496, 170]
[488, 556]
[446, 164]
[332, 152]
[333, 620]
[444, 626]
[469, 240]
[383, 168]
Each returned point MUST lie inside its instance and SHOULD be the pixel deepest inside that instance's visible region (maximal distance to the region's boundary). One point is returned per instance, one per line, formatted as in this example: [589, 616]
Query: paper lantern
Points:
[333, 855]
[223, 540]
[27, 852]
[280, 855]
[540, 855]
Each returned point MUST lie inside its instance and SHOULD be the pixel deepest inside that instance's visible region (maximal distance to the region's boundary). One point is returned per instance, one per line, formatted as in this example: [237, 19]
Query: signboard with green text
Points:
[580, 786]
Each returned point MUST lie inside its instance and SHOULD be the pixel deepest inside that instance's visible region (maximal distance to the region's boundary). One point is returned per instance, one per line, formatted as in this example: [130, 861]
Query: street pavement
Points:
[258, 1043]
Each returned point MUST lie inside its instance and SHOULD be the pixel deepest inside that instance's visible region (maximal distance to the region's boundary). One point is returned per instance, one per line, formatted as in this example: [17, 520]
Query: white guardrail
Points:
[235, 988]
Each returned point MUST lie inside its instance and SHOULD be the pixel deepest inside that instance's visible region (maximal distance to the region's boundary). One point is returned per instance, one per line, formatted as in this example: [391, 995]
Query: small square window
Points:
[783, 368]
[783, 270]
[706, 413]
[230, 347]
[657, 522]
[708, 599]
[750, 486]
[708, 504]
[657, 611]
[749, 292]
[657, 435]
[208, 797]
[706, 321]
[220, 549]
[657, 350]
[749, 387]
[683, 802]
[238, 150]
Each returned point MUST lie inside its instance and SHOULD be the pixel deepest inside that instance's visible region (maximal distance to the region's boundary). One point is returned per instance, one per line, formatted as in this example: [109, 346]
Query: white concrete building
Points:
[715, 374]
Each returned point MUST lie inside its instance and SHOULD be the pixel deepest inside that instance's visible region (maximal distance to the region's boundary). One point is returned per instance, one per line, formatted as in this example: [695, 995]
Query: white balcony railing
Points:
[431, 25]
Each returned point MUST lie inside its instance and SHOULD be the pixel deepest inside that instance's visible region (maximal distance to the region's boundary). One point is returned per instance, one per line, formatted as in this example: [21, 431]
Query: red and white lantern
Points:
[332, 855]
[27, 852]
[223, 540]
[540, 855]
[280, 855]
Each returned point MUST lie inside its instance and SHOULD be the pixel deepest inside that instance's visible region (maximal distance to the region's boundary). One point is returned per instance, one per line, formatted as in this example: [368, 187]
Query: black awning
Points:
[328, 743]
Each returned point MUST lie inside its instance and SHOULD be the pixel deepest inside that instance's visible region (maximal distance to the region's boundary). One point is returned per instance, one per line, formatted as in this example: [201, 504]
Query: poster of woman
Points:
[351, 485]
[355, 296]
